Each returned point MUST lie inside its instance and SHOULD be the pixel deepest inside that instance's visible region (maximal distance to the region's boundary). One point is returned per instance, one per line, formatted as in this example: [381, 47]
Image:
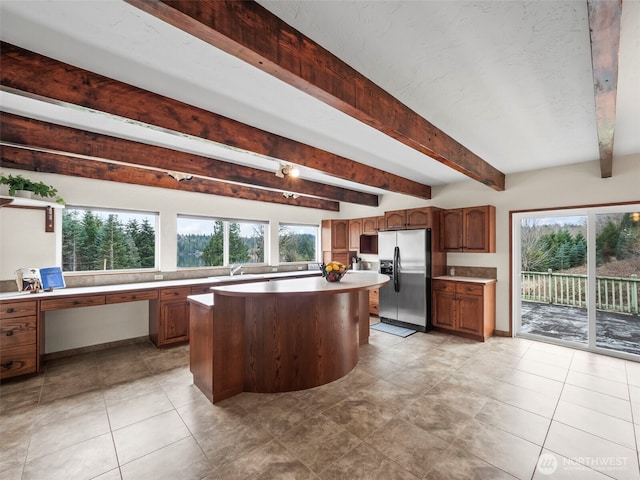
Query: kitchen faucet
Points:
[233, 269]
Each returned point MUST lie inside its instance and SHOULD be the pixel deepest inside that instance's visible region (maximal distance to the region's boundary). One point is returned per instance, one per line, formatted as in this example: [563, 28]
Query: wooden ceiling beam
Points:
[49, 162]
[604, 28]
[35, 74]
[50, 136]
[250, 32]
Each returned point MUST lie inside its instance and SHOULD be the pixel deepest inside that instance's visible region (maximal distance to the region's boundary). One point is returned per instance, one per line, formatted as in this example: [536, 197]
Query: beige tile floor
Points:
[429, 406]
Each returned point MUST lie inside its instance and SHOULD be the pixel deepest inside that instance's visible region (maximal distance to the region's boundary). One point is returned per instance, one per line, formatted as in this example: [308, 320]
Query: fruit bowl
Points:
[333, 271]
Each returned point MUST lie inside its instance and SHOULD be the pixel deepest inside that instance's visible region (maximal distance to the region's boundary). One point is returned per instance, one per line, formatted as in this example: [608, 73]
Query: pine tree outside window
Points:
[104, 240]
[215, 242]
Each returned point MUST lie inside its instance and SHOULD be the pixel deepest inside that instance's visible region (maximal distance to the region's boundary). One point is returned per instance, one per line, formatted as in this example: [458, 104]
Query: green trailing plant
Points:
[41, 189]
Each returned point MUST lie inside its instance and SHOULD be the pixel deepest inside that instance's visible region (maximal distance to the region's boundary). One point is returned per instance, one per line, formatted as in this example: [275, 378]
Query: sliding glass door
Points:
[576, 277]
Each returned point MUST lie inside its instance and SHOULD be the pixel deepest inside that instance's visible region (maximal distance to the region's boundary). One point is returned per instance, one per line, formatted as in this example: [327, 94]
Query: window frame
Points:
[226, 221]
[107, 210]
[317, 242]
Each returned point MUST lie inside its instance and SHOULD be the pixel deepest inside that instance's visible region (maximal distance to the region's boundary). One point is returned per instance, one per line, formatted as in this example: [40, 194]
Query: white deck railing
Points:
[612, 294]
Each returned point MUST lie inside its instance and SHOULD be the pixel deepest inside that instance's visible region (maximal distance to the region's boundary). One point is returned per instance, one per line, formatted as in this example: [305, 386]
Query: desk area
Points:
[22, 314]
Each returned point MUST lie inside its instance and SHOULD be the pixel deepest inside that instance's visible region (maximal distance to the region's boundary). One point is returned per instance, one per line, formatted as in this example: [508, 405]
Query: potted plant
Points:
[18, 184]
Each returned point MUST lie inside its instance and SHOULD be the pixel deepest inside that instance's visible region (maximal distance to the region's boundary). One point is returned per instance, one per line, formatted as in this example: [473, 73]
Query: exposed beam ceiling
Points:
[59, 163]
[250, 32]
[604, 28]
[35, 74]
[40, 135]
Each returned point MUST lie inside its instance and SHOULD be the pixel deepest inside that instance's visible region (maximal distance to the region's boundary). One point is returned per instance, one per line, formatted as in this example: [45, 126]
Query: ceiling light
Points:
[179, 176]
[285, 170]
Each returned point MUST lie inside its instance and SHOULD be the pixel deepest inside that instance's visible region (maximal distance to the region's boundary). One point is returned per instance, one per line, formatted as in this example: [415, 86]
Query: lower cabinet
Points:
[18, 339]
[374, 297]
[169, 317]
[464, 308]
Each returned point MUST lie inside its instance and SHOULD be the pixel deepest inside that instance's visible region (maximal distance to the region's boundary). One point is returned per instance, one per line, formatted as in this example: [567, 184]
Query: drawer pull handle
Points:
[75, 302]
[7, 364]
[133, 297]
[10, 310]
[9, 333]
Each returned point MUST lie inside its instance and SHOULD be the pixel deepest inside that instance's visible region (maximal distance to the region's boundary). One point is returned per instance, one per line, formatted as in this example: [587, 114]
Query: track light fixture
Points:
[179, 176]
[285, 170]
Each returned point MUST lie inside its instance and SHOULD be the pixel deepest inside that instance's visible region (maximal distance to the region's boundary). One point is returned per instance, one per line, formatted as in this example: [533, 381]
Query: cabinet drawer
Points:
[17, 331]
[374, 309]
[17, 361]
[60, 304]
[444, 286]
[173, 293]
[17, 309]
[132, 296]
[470, 289]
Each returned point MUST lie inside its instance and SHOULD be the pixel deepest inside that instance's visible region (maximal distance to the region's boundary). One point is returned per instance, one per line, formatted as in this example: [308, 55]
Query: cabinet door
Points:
[340, 235]
[419, 218]
[174, 322]
[479, 229]
[382, 223]
[370, 225]
[451, 230]
[396, 219]
[444, 310]
[355, 230]
[470, 313]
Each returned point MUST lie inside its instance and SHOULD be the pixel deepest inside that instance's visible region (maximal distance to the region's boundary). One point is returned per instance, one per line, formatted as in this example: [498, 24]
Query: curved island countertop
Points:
[279, 336]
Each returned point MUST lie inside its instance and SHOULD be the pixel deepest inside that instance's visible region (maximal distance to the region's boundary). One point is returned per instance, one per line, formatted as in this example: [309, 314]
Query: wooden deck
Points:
[615, 331]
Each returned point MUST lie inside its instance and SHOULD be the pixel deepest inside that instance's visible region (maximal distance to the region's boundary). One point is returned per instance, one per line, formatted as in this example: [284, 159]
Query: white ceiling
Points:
[510, 80]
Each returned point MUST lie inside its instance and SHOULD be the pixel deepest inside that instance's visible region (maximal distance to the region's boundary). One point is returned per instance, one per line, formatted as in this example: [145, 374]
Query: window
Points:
[298, 243]
[213, 242]
[99, 240]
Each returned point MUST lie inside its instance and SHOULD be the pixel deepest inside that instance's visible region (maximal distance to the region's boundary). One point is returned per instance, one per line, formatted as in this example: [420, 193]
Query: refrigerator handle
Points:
[396, 268]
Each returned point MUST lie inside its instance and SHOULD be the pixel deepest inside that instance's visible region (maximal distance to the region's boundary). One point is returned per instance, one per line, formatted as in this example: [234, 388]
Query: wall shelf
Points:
[21, 202]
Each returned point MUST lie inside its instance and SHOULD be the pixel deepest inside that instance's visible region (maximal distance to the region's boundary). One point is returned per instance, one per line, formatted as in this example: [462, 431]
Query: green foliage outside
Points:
[296, 247]
[561, 249]
[199, 250]
[92, 243]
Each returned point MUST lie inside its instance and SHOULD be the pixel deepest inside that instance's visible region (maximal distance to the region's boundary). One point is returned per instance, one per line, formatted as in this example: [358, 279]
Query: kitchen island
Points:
[278, 336]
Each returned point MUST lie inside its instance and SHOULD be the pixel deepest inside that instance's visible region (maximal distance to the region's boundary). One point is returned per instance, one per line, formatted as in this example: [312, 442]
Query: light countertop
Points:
[457, 278]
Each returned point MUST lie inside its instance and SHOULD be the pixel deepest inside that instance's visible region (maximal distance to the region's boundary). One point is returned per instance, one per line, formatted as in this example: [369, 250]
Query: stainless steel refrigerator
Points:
[405, 255]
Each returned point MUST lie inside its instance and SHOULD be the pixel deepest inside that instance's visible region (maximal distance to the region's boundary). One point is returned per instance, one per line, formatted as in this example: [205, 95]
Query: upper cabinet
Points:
[335, 241]
[372, 225]
[355, 230]
[424, 217]
[471, 229]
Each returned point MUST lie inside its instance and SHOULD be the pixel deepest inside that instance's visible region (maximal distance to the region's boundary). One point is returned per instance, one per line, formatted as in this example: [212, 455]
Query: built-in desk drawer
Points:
[17, 361]
[132, 296]
[17, 331]
[469, 289]
[17, 309]
[174, 293]
[62, 303]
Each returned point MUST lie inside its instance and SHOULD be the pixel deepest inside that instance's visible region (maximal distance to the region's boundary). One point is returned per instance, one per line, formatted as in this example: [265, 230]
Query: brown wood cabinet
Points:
[374, 301]
[335, 241]
[422, 217]
[18, 338]
[169, 317]
[464, 308]
[471, 229]
[355, 230]
[372, 225]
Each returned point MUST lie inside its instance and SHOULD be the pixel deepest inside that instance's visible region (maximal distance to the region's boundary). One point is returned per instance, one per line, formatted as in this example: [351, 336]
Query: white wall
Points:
[24, 243]
[574, 185]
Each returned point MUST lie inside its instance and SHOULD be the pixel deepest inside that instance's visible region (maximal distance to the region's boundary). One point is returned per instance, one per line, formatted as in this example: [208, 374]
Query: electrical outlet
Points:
[158, 277]
[299, 267]
[274, 269]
